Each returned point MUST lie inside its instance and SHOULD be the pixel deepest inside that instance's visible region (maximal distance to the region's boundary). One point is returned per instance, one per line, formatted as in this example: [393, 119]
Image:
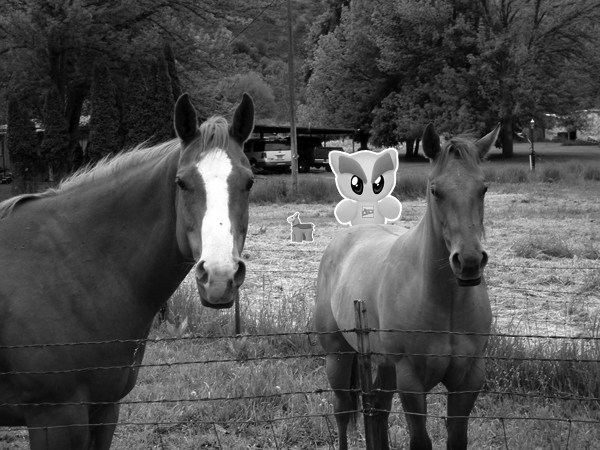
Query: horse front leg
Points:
[414, 401]
[461, 400]
[104, 419]
[58, 427]
[385, 384]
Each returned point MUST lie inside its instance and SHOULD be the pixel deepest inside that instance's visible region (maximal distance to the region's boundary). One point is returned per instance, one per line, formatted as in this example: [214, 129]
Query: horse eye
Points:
[357, 185]
[435, 192]
[181, 184]
[378, 185]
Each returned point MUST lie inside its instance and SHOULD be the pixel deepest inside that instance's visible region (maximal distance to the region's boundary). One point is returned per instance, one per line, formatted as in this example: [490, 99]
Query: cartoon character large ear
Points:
[185, 120]
[385, 159]
[334, 161]
[243, 119]
[431, 142]
[485, 143]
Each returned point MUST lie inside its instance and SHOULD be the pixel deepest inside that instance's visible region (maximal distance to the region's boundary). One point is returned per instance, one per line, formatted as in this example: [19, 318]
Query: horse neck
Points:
[434, 253]
[129, 218]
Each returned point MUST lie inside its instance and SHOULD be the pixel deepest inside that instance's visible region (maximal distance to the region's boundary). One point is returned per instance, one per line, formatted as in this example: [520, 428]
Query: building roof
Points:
[301, 130]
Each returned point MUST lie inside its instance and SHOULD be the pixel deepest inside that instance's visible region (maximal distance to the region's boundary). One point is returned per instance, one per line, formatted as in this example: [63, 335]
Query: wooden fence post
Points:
[366, 375]
[238, 320]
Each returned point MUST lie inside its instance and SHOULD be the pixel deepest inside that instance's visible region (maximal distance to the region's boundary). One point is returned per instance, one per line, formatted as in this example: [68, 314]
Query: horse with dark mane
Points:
[425, 296]
[86, 267]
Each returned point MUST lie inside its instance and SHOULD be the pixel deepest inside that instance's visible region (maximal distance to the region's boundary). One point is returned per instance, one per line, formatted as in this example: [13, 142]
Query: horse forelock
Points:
[214, 133]
[459, 147]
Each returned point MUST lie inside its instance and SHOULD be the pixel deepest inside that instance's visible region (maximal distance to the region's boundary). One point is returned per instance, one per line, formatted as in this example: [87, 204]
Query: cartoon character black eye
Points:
[378, 185]
[357, 185]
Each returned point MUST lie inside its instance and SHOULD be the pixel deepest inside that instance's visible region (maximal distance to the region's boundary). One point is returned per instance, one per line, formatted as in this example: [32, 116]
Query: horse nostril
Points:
[456, 261]
[240, 273]
[201, 273]
[484, 259]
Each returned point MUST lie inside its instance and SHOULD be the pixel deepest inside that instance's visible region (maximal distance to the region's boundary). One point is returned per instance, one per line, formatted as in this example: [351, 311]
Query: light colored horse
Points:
[301, 232]
[92, 262]
[427, 281]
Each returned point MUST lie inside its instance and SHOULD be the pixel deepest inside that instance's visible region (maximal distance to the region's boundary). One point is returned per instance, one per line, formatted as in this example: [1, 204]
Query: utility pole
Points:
[293, 140]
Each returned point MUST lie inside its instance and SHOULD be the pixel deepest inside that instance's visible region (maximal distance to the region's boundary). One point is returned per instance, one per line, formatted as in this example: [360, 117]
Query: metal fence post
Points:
[366, 376]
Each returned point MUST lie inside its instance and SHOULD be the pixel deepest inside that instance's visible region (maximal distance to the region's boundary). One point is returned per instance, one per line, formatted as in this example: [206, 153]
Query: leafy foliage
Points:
[392, 66]
[164, 103]
[55, 144]
[104, 120]
[21, 141]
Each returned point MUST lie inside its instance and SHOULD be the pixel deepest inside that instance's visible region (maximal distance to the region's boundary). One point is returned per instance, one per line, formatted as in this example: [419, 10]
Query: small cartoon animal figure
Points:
[366, 180]
[300, 231]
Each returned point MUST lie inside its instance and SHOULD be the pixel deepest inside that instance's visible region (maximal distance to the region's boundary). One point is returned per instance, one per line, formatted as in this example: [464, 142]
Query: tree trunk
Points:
[75, 99]
[416, 153]
[506, 138]
[410, 146]
[364, 140]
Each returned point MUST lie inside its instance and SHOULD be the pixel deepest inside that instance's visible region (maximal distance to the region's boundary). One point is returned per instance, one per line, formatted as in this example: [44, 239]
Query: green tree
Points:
[164, 103]
[176, 88]
[463, 65]
[252, 83]
[104, 120]
[529, 55]
[137, 106]
[346, 83]
[21, 142]
[70, 37]
[55, 144]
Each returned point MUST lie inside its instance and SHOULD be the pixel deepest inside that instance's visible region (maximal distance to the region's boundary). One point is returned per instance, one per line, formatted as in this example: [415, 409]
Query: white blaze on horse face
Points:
[217, 236]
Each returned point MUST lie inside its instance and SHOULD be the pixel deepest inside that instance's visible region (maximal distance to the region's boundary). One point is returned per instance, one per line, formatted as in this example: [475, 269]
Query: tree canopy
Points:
[394, 66]
[385, 67]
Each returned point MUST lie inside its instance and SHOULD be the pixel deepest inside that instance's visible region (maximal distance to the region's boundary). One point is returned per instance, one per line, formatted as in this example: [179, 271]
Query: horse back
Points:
[350, 269]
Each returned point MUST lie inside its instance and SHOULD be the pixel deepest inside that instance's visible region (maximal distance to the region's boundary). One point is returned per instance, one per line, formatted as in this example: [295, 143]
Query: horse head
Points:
[214, 180]
[455, 200]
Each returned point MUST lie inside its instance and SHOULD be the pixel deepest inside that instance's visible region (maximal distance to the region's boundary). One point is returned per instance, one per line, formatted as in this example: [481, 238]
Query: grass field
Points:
[268, 389]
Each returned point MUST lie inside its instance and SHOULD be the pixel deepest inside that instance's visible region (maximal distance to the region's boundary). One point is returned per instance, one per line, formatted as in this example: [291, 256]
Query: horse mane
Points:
[214, 133]
[105, 167]
[459, 147]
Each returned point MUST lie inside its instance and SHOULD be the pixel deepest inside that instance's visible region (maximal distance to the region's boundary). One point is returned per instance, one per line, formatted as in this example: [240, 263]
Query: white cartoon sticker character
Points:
[366, 180]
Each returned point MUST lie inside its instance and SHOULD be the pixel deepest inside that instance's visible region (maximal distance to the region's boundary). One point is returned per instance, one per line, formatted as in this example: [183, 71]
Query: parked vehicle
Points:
[313, 153]
[265, 154]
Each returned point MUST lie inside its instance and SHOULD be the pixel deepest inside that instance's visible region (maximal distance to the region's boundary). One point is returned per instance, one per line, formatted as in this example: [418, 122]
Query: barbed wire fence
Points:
[584, 293]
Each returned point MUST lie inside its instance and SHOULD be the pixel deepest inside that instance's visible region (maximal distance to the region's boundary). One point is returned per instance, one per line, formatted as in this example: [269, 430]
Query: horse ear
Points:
[431, 142]
[185, 120]
[243, 119]
[485, 143]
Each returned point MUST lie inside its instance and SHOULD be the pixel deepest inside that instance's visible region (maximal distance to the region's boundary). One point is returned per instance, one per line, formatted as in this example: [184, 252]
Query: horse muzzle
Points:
[467, 283]
[468, 268]
[218, 288]
[218, 295]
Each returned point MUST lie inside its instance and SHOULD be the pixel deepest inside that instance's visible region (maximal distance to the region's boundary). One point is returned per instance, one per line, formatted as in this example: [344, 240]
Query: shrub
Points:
[512, 175]
[577, 143]
[550, 174]
[592, 173]
[549, 245]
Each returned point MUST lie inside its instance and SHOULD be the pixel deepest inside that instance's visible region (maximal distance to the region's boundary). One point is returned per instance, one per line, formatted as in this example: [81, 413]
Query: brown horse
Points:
[428, 278]
[93, 261]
